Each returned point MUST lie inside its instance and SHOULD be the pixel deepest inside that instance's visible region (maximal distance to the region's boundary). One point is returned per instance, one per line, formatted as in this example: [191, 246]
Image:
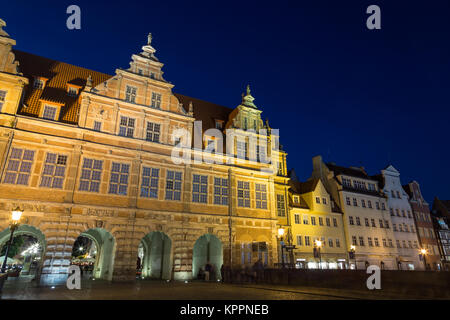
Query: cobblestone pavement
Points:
[159, 290]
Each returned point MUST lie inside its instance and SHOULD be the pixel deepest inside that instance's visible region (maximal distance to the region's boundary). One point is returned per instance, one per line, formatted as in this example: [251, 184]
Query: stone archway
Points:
[207, 248]
[155, 256]
[105, 252]
[31, 263]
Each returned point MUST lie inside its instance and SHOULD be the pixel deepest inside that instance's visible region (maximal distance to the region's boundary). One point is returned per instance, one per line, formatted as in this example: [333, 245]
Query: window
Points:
[173, 185]
[370, 242]
[369, 204]
[219, 124]
[280, 205]
[305, 219]
[398, 244]
[373, 223]
[398, 195]
[404, 244]
[372, 187]
[377, 244]
[320, 221]
[297, 219]
[221, 191]
[324, 200]
[150, 182]
[245, 123]
[355, 202]
[358, 221]
[381, 223]
[118, 183]
[296, 199]
[313, 221]
[140, 72]
[397, 212]
[366, 220]
[49, 113]
[386, 224]
[390, 243]
[261, 196]
[377, 205]
[350, 219]
[261, 154]
[97, 125]
[130, 95]
[72, 91]
[307, 241]
[153, 131]
[156, 100]
[126, 126]
[335, 222]
[338, 243]
[391, 211]
[330, 243]
[394, 227]
[54, 171]
[354, 242]
[400, 228]
[361, 241]
[348, 201]
[38, 83]
[328, 222]
[244, 194]
[241, 149]
[383, 206]
[91, 175]
[363, 203]
[347, 182]
[393, 193]
[299, 240]
[406, 228]
[18, 170]
[200, 188]
[384, 243]
[318, 200]
[2, 98]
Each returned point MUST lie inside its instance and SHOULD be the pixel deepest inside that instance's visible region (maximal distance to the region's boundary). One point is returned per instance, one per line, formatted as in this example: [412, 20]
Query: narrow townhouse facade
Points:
[405, 231]
[366, 218]
[90, 154]
[315, 217]
[424, 226]
[441, 223]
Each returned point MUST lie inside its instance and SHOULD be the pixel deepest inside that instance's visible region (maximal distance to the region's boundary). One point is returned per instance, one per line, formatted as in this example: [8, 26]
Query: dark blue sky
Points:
[332, 87]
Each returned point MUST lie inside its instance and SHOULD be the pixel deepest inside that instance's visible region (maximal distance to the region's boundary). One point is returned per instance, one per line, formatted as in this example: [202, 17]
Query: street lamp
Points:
[318, 244]
[352, 255]
[280, 236]
[423, 254]
[15, 217]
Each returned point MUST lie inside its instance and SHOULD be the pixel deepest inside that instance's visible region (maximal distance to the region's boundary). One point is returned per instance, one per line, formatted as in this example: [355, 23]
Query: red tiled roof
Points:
[59, 74]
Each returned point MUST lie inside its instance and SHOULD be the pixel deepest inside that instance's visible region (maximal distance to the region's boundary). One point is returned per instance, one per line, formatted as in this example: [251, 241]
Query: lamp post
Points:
[318, 244]
[423, 254]
[280, 236]
[352, 255]
[15, 217]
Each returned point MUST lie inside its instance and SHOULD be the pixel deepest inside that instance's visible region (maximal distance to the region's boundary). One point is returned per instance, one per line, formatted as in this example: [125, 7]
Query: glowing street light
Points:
[280, 233]
[352, 255]
[280, 236]
[318, 245]
[16, 214]
[423, 254]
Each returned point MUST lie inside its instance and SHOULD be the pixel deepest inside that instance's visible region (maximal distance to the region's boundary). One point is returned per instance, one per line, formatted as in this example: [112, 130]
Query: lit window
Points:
[49, 113]
[305, 219]
[38, 83]
[156, 100]
[2, 98]
[261, 196]
[221, 191]
[54, 171]
[130, 95]
[18, 170]
[318, 200]
[153, 131]
[118, 183]
[72, 91]
[200, 188]
[241, 149]
[243, 191]
[297, 219]
[126, 126]
[91, 175]
[299, 240]
[313, 221]
[150, 182]
[173, 185]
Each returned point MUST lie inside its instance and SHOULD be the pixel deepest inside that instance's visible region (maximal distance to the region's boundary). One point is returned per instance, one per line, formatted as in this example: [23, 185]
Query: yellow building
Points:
[90, 154]
[317, 227]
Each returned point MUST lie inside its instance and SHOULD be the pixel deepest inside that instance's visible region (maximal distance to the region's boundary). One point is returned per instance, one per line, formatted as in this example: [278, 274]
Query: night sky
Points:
[356, 96]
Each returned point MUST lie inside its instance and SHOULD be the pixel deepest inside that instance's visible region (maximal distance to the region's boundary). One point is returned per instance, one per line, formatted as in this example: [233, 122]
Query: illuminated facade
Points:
[86, 153]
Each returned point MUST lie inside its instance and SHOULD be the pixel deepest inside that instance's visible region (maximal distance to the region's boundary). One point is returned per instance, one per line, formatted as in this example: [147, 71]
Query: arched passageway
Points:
[154, 256]
[94, 252]
[26, 252]
[207, 249]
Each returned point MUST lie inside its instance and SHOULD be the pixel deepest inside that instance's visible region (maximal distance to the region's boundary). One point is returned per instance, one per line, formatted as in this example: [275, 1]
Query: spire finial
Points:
[248, 89]
[149, 39]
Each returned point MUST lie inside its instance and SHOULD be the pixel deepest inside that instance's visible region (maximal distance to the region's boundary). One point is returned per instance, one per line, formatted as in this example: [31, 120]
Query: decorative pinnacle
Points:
[149, 39]
[248, 99]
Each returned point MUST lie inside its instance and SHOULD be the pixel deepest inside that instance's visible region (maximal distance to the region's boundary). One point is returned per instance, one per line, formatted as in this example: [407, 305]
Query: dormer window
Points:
[39, 83]
[219, 124]
[295, 199]
[72, 91]
[49, 112]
